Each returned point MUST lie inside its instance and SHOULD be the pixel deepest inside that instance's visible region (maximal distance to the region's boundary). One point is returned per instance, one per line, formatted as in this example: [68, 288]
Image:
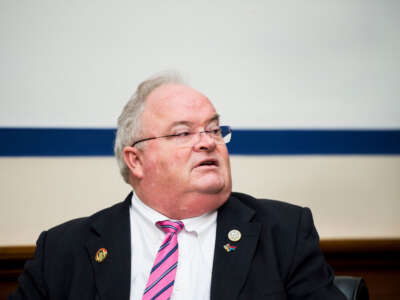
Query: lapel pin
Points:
[101, 255]
[234, 235]
[228, 247]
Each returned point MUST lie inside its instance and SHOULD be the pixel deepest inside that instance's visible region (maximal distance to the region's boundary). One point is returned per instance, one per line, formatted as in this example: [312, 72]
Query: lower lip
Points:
[207, 167]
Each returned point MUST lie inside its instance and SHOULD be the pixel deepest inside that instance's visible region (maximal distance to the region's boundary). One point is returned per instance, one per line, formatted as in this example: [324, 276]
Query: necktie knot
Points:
[171, 226]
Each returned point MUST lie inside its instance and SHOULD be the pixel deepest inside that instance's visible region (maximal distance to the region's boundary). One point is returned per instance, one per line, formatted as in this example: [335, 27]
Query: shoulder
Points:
[286, 228]
[282, 222]
[76, 231]
[271, 210]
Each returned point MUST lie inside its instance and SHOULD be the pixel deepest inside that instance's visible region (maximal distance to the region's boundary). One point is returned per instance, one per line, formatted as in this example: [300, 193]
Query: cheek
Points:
[176, 164]
[225, 157]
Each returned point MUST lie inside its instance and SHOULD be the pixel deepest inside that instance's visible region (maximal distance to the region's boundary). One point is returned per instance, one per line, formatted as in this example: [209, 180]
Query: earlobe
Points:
[133, 160]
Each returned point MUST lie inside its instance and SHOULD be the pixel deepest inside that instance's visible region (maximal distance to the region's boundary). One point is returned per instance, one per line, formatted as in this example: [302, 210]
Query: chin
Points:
[213, 187]
[215, 190]
[210, 183]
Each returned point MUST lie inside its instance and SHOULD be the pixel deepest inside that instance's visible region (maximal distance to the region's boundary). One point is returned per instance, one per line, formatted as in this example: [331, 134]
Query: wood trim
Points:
[16, 252]
[362, 254]
[360, 245]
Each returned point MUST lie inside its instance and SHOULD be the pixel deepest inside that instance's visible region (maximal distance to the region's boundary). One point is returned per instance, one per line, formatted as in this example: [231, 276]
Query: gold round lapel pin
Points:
[101, 255]
[234, 235]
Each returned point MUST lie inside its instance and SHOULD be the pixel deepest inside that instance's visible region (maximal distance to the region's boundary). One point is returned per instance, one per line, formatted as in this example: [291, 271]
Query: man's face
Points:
[180, 181]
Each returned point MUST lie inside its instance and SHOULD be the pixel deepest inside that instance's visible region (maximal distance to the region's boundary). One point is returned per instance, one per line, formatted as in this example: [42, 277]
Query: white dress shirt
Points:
[196, 252]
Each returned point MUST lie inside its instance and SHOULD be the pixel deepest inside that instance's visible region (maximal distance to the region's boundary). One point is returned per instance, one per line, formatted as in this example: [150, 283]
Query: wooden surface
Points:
[376, 260]
[12, 260]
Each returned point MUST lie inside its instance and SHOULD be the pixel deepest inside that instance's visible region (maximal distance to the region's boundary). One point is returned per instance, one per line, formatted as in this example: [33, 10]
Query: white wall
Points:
[350, 197]
[265, 64]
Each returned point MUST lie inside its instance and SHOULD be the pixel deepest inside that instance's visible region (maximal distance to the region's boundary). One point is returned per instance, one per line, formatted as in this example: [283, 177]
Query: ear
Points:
[133, 159]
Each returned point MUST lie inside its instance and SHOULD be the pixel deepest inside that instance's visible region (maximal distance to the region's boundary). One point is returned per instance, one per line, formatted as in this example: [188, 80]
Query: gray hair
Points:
[129, 122]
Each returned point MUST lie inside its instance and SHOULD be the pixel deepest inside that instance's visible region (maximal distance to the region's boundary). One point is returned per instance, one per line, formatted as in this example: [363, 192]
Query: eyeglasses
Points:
[221, 135]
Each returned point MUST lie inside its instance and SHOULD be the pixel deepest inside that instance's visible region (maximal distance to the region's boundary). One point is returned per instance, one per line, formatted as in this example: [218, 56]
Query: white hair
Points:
[129, 122]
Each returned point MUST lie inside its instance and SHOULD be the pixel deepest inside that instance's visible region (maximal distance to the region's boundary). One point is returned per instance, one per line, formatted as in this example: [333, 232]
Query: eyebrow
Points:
[215, 117]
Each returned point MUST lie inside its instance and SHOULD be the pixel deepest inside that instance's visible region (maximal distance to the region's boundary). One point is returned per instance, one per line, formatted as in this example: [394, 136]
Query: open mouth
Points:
[208, 163]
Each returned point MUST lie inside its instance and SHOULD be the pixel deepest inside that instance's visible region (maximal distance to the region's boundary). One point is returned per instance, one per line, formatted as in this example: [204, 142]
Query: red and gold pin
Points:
[101, 255]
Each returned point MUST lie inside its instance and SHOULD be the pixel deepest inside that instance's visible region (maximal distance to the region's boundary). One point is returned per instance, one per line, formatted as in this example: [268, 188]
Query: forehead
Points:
[173, 103]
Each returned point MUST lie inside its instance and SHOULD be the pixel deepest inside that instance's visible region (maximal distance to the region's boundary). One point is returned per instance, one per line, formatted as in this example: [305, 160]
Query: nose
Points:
[204, 143]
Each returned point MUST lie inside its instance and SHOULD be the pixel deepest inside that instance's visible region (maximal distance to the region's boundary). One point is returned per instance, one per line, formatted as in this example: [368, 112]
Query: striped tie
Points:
[162, 275]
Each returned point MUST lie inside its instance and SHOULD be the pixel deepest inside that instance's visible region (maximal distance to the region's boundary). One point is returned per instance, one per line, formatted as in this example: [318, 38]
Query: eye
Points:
[182, 134]
[215, 131]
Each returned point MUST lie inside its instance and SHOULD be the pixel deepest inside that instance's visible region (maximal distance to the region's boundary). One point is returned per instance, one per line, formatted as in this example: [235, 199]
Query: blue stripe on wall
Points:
[56, 142]
[99, 142]
[309, 142]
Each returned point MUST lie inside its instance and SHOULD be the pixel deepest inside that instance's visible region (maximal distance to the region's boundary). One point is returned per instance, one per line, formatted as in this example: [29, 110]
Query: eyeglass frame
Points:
[207, 132]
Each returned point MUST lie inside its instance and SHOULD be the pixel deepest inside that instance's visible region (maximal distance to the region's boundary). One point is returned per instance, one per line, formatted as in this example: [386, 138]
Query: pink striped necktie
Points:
[162, 275]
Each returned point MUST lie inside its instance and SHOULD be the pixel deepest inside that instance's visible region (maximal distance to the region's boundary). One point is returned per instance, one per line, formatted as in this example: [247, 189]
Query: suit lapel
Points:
[230, 268]
[111, 230]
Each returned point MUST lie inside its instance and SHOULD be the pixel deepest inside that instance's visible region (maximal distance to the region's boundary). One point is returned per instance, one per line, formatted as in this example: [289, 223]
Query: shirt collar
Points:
[201, 223]
[197, 224]
[148, 214]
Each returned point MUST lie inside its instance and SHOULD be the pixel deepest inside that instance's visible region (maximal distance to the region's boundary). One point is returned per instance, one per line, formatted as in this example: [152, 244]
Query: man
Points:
[171, 149]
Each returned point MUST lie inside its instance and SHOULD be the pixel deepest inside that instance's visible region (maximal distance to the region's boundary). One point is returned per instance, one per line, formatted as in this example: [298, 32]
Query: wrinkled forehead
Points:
[172, 103]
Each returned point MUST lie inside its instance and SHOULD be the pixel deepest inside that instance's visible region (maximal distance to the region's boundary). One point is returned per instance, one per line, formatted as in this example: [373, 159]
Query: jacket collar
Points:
[231, 268]
[111, 231]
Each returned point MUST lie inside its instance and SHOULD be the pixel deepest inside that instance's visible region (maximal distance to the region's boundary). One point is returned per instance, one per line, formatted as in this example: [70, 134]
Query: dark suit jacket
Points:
[278, 256]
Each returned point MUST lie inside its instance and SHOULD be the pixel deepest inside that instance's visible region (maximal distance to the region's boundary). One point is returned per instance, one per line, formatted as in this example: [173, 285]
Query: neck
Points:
[184, 206]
